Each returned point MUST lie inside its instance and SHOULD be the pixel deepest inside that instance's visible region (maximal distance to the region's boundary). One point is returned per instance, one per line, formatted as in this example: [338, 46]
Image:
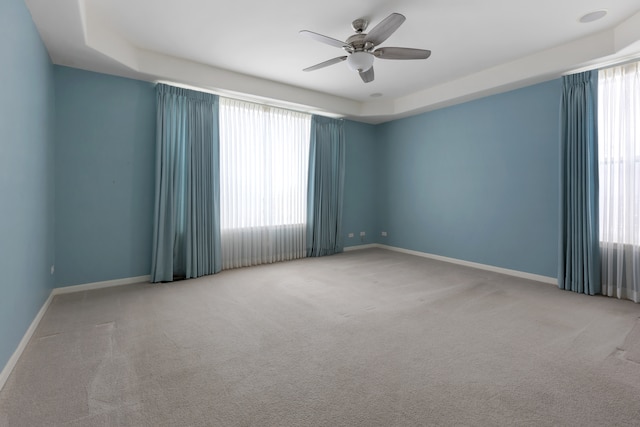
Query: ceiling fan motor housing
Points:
[357, 41]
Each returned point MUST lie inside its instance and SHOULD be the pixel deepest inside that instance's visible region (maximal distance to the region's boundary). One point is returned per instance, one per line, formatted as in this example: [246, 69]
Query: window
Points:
[619, 180]
[619, 153]
[264, 157]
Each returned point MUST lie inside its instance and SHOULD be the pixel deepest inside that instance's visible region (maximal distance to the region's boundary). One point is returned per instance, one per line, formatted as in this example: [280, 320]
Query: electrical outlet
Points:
[384, 234]
[350, 235]
[53, 268]
[362, 234]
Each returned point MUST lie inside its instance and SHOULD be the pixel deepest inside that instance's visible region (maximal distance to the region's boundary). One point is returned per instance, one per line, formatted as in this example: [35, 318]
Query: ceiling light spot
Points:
[376, 95]
[593, 16]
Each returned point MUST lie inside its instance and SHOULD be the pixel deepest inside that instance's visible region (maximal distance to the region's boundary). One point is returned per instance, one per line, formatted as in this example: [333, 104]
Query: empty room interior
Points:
[218, 214]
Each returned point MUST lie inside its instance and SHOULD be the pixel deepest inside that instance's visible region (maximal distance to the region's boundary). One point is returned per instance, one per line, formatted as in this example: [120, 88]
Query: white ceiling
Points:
[252, 49]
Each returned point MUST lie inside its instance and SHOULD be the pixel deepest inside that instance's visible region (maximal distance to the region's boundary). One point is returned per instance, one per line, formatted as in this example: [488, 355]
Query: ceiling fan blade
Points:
[384, 29]
[367, 76]
[323, 39]
[401, 53]
[325, 63]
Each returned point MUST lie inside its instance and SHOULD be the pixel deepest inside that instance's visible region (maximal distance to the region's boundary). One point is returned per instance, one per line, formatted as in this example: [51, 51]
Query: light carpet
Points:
[364, 338]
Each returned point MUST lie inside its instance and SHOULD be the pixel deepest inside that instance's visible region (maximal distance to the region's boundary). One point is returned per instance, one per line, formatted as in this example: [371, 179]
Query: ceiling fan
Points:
[360, 46]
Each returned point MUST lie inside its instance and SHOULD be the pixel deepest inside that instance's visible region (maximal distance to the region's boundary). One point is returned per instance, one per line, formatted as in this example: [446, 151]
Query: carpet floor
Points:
[364, 338]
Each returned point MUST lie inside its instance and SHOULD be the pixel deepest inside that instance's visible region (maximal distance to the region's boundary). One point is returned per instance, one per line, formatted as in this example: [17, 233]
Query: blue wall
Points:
[105, 166]
[477, 181]
[360, 186]
[26, 175]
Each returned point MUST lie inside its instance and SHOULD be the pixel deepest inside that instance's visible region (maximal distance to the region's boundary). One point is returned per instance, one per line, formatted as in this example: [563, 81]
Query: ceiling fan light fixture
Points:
[360, 61]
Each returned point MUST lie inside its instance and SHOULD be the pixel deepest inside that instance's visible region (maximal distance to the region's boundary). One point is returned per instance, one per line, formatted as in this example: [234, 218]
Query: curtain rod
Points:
[298, 108]
[607, 64]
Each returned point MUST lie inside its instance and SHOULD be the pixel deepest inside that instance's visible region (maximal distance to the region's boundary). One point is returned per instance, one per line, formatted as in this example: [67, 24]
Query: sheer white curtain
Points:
[619, 169]
[264, 159]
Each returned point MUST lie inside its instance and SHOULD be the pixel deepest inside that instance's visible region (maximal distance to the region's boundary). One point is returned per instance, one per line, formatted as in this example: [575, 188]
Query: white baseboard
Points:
[11, 363]
[515, 273]
[100, 285]
[357, 248]
[8, 368]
